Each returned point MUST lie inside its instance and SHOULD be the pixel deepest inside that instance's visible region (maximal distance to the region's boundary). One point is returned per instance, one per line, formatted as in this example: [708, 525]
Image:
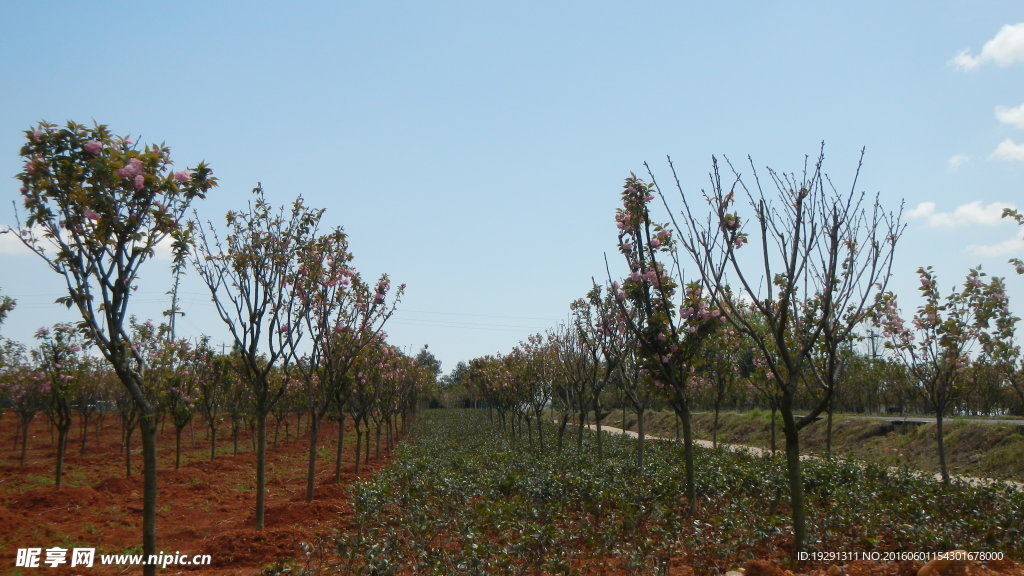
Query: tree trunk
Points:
[540, 429]
[147, 423]
[128, 450]
[85, 432]
[177, 447]
[340, 448]
[714, 429]
[24, 438]
[641, 430]
[796, 484]
[942, 448]
[366, 452]
[377, 435]
[261, 467]
[582, 417]
[314, 432]
[63, 428]
[213, 441]
[359, 444]
[691, 492]
[828, 431]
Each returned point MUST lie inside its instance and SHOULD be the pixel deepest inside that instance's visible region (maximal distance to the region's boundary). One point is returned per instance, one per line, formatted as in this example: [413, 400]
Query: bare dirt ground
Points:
[205, 507]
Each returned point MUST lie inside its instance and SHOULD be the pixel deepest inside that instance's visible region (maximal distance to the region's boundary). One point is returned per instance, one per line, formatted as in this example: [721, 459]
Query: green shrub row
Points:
[461, 498]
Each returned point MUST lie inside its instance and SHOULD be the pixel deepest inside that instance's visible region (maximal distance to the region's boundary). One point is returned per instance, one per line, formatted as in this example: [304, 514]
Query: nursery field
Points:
[204, 508]
[461, 497]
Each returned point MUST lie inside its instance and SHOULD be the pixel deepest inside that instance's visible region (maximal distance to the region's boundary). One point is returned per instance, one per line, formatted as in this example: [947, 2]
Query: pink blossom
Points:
[130, 170]
[140, 181]
[93, 146]
[37, 135]
[183, 176]
[91, 214]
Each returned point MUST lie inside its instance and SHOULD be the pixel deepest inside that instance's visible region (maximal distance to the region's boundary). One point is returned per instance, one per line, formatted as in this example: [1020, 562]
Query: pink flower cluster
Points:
[134, 171]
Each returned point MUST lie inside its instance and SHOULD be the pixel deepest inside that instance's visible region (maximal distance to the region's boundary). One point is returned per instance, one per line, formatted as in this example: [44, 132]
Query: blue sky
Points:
[476, 151]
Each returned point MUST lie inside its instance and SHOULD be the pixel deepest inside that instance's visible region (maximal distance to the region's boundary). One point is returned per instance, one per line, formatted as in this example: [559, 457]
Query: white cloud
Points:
[1009, 150]
[12, 245]
[957, 160]
[1004, 49]
[973, 213]
[964, 61]
[1011, 247]
[1012, 116]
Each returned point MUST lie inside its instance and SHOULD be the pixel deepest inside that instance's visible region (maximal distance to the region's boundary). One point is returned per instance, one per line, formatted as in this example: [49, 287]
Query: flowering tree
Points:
[371, 369]
[619, 347]
[26, 389]
[59, 360]
[818, 258]
[88, 394]
[213, 387]
[531, 364]
[182, 389]
[575, 369]
[251, 276]
[341, 315]
[594, 333]
[97, 207]
[718, 376]
[944, 333]
[670, 334]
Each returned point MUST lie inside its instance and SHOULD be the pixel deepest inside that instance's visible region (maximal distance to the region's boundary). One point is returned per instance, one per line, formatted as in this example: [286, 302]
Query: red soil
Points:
[205, 507]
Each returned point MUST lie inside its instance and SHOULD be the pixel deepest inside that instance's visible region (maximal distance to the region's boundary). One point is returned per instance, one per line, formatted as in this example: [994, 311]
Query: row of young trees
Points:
[755, 292]
[97, 206]
[59, 380]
